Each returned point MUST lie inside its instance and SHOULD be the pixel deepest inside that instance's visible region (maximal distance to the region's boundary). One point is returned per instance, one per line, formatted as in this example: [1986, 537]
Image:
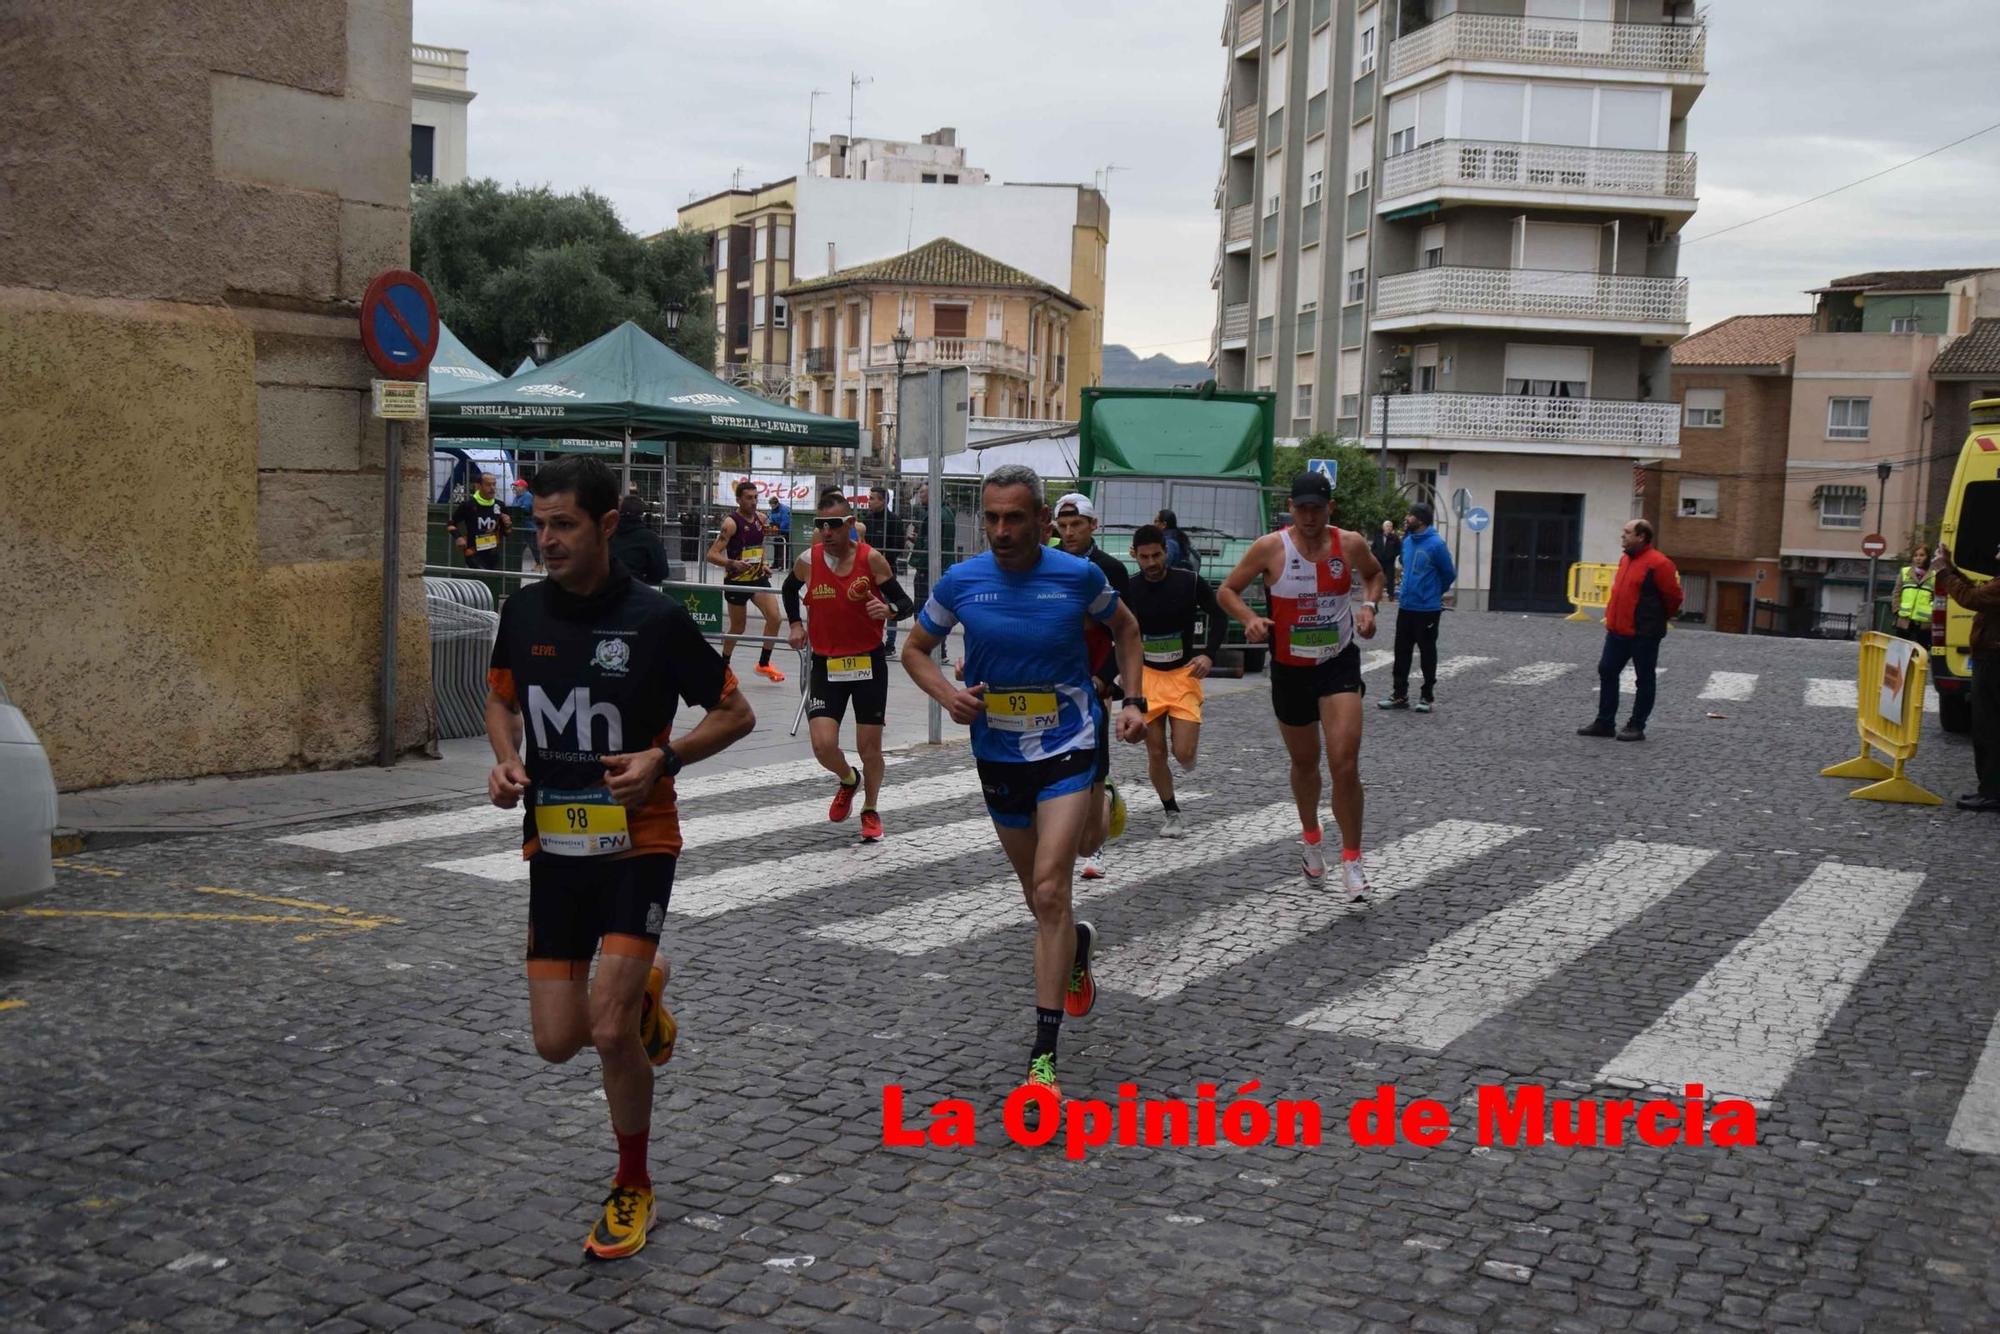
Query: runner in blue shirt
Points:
[1034, 716]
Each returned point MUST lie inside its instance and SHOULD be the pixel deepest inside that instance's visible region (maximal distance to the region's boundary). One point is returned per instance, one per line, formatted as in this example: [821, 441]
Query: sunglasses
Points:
[831, 524]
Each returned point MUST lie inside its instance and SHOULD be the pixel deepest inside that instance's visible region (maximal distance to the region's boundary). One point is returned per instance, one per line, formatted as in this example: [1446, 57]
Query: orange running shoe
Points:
[843, 800]
[1082, 993]
[628, 1216]
[871, 827]
[765, 669]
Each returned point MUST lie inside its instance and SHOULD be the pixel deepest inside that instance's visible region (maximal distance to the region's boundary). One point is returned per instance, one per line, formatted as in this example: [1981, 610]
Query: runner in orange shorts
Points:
[1166, 602]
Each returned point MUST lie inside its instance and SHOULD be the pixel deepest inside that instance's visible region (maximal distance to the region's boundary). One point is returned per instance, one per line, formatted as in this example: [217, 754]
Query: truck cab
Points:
[1203, 453]
[1971, 528]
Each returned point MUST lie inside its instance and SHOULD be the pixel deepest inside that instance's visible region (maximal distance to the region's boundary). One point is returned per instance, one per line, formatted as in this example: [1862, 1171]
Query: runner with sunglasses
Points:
[850, 591]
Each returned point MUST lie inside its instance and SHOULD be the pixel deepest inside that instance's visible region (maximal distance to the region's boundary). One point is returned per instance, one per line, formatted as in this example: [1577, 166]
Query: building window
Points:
[1402, 141]
[930, 178]
[1271, 207]
[1424, 364]
[782, 248]
[1303, 408]
[780, 312]
[1704, 407]
[757, 309]
[1847, 418]
[950, 179]
[1367, 51]
[1842, 506]
[762, 250]
[722, 251]
[1699, 498]
[1360, 181]
[1357, 285]
[1350, 405]
[1907, 324]
[1431, 242]
[423, 153]
[1315, 186]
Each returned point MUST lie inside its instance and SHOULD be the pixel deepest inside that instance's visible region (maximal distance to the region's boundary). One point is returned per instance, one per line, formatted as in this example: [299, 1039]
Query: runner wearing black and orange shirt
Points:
[850, 591]
[479, 525]
[588, 671]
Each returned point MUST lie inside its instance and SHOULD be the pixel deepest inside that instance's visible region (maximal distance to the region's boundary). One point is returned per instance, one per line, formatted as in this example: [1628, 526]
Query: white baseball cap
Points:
[1077, 503]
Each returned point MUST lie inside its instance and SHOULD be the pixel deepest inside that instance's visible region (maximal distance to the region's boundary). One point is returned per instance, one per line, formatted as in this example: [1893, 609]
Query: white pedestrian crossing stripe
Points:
[1481, 969]
[1536, 674]
[748, 823]
[1451, 667]
[1976, 1128]
[1165, 962]
[1758, 1012]
[1829, 693]
[476, 819]
[765, 882]
[1730, 686]
[953, 918]
[1376, 660]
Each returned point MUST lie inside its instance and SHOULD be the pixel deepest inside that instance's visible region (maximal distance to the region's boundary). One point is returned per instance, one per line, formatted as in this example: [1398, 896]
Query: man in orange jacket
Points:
[1644, 597]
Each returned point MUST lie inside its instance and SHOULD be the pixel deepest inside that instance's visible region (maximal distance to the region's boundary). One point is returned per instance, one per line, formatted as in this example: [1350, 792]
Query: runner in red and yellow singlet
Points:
[1309, 574]
[849, 592]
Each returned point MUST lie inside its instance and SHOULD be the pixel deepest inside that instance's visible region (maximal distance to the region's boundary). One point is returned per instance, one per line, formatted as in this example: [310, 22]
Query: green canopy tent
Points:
[631, 388]
[455, 367]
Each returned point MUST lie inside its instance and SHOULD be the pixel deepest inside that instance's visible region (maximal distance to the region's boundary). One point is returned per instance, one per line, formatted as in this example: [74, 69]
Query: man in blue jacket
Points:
[1427, 573]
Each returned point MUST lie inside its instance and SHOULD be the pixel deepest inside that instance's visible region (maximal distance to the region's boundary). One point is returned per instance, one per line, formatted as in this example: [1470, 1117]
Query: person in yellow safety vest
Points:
[1913, 598]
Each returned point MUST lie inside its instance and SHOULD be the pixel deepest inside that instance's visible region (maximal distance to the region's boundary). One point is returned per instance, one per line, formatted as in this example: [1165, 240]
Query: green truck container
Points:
[1203, 453]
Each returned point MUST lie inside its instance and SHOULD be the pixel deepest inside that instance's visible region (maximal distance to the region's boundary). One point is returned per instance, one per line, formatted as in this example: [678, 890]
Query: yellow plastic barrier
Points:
[1890, 667]
[1589, 586]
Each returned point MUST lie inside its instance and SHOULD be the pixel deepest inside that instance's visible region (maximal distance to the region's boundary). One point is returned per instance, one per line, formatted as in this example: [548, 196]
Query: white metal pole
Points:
[934, 518]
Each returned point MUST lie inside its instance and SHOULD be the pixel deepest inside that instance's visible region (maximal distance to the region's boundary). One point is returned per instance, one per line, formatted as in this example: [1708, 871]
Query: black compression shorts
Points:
[870, 698]
[1297, 691]
[739, 595]
[576, 902]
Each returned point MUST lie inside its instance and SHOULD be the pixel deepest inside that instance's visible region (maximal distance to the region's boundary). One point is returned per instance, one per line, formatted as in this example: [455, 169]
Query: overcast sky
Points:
[652, 104]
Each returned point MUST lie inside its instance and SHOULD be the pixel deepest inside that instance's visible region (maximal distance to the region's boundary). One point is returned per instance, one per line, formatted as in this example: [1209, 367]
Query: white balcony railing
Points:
[1669, 48]
[981, 353]
[1242, 222]
[1535, 293]
[1236, 321]
[1574, 421]
[1540, 168]
[438, 64]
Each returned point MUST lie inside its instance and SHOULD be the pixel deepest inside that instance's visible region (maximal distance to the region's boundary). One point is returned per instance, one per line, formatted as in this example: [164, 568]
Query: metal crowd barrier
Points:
[463, 624]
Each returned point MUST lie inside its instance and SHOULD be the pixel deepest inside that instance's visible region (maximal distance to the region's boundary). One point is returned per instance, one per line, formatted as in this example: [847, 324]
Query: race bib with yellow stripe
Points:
[1023, 709]
[485, 542]
[857, 668]
[586, 822]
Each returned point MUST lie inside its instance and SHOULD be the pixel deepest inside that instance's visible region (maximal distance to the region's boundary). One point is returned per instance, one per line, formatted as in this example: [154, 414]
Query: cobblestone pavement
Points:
[285, 1079]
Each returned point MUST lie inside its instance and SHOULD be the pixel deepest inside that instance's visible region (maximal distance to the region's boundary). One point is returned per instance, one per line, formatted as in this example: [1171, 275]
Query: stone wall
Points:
[194, 199]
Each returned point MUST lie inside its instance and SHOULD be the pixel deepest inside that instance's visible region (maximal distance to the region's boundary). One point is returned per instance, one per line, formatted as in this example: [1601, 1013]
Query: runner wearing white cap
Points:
[1076, 524]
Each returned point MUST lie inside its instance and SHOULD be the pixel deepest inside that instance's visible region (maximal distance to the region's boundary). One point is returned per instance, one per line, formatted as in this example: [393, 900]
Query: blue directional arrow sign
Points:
[1478, 520]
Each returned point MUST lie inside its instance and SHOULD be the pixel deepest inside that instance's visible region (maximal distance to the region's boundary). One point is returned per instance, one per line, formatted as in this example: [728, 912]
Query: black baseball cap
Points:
[1312, 488]
[1423, 513]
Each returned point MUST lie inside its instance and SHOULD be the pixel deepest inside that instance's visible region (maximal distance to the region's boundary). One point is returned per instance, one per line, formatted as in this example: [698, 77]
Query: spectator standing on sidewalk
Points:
[1428, 573]
[1983, 601]
[885, 534]
[523, 505]
[1645, 595]
[1388, 548]
[1914, 587]
[636, 546]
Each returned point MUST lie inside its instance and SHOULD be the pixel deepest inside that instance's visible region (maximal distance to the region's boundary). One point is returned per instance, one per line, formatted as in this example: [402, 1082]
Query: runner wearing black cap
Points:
[1309, 573]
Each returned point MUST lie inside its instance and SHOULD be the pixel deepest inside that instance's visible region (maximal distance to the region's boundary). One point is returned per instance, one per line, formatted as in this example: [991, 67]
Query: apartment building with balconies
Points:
[1457, 222]
[750, 234]
[1010, 329]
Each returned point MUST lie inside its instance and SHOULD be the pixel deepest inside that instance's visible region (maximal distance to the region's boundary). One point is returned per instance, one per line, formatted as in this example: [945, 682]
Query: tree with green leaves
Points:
[507, 264]
[1360, 502]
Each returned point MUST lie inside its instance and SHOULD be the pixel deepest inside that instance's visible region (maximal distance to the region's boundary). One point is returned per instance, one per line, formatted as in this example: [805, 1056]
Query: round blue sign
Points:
[1477, 519]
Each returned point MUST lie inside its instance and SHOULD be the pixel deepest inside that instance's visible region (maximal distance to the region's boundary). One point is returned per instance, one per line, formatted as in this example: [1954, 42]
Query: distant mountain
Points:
[1124, 370]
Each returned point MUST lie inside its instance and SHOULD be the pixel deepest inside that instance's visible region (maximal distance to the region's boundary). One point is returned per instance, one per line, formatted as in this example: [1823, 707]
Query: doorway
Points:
[1537, 536]
[1732, 606]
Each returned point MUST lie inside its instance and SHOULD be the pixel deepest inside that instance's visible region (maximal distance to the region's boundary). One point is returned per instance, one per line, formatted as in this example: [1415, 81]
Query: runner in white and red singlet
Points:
[1309, 574]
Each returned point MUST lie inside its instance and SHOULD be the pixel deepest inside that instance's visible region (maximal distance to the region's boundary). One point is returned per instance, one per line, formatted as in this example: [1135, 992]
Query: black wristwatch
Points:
[1133, 702]
[673, 765]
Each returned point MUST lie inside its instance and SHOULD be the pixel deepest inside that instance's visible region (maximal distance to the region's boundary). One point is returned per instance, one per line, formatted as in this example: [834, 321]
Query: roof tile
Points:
[1975, 352]
[1743, 340]
[940, 263]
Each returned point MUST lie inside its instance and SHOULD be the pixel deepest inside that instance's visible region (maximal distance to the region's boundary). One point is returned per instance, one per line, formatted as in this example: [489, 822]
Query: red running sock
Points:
[1350, 854]
[632, 1161]
[1312, 837]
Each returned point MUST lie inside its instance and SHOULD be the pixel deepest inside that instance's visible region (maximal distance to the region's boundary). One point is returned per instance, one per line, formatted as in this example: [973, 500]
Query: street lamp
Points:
[1882, 471]
[1388, 379]
[673, 311]
[670, 492]
[540, 343]
[901, 343]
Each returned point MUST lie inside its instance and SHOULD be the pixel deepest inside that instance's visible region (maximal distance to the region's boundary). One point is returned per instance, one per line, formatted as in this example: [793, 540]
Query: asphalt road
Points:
[284, 1078]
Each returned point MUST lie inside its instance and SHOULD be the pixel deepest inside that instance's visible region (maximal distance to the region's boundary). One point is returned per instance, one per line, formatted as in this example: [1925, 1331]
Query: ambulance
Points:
[1971, 529]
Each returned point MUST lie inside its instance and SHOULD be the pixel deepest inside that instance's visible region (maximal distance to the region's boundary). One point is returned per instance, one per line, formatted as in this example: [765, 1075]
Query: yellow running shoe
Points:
[657, 1028]
[628, 1217]
[1118, 812]
[1042, 1070]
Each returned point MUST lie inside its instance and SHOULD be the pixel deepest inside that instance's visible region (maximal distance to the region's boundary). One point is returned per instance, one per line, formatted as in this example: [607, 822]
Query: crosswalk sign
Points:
[1330, 468]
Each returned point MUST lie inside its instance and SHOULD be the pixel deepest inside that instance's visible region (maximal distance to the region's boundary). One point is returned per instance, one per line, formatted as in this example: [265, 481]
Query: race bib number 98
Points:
[583, 823]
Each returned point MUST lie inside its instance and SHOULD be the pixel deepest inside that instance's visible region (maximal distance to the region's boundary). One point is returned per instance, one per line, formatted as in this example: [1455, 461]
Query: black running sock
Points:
[764, 656]
[1168, 803]
[1048, 1027]
[1082, 947]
